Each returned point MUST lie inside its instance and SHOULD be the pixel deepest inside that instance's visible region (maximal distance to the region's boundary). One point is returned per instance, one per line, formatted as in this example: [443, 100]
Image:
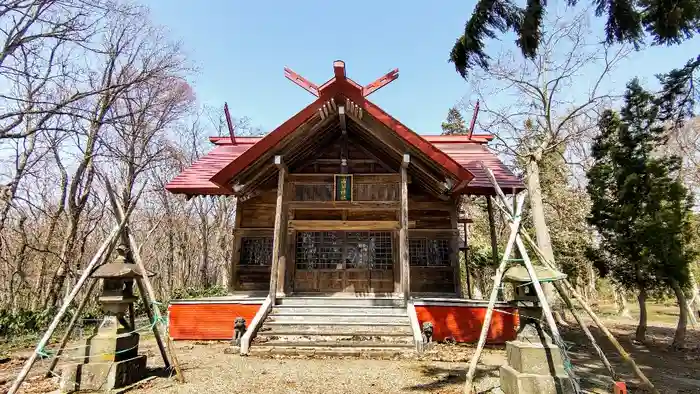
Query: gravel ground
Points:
[208, 369]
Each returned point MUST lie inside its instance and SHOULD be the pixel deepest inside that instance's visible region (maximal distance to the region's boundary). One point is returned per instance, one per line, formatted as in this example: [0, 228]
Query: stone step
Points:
[359, 352]
[347, 309]
[337, 321]
[320, 318]
[331, 339]
[338, 343]
[340, 331]
[341, 301]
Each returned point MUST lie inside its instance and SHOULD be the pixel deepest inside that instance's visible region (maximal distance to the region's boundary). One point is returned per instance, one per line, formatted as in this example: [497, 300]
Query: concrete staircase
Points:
[335, 326]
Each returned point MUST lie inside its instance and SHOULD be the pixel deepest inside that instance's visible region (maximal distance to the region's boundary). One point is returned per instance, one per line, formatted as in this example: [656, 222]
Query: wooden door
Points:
[343, 261]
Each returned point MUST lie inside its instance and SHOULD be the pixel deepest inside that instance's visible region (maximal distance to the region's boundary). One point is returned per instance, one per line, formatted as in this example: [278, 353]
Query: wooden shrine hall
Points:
[343, 199]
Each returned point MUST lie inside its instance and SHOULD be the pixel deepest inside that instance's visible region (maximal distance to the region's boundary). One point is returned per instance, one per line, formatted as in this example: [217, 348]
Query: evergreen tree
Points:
[668, 22]
[639, 206]
[680, 93]
[454, 124]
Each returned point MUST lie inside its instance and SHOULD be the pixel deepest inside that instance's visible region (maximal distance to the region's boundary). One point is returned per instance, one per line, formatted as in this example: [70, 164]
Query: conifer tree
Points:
[454, 124]
[639, 206]
[667, 22]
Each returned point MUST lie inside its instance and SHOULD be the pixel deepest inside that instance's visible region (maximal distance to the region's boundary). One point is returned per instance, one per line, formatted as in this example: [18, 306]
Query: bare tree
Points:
[130, 57]
[538, 107]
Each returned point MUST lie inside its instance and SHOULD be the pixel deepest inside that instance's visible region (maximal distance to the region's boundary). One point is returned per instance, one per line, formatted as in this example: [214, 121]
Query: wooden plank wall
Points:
[373, 180]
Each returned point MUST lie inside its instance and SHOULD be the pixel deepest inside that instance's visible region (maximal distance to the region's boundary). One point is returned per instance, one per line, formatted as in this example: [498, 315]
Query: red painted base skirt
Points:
[209, 321]
[463, 323]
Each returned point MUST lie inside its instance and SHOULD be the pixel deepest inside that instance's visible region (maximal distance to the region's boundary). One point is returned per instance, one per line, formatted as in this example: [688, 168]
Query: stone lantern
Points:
[534, 361]
[111, 354]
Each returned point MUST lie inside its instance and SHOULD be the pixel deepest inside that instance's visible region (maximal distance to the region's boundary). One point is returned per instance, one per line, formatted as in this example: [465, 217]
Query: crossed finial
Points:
[339, 71]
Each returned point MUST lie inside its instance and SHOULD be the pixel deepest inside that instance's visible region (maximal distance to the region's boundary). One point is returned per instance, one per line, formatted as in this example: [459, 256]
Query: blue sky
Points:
[241, 47]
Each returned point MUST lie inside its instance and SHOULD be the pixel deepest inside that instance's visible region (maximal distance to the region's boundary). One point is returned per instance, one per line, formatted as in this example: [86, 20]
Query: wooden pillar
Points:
[236, 252]
[278, 244]
[403, 232]
[492, 227]
[494, 240]
[454, 246]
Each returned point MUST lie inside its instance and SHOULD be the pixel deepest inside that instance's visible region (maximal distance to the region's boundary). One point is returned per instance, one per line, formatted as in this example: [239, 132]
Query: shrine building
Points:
[344, 202]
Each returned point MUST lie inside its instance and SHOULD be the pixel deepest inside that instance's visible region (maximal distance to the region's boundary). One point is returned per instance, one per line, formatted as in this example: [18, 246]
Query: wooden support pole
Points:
[279, 231]
[571, 290]
[546, 310]
[585, 329]
[567, 286]
[500, 270]
[144, 284]
[403, 231]
[148, 294]
[105, 248]
[71, 325]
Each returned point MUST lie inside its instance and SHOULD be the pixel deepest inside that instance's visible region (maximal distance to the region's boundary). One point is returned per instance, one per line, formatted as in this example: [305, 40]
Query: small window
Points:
[256, 251]
[425, 252]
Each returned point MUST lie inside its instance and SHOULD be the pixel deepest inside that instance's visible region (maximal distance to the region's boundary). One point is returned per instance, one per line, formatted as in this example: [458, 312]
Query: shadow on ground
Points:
[671, 371]
[442, 378]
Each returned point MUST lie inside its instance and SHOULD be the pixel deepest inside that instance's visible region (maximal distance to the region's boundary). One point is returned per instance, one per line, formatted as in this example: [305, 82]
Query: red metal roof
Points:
[195, 179]
[458, 155]
[468, 153]
[340, 87]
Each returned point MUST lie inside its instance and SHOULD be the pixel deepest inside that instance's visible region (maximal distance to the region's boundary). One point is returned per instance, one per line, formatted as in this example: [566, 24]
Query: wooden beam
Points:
[301, 81]
[350, 205]
[432, 230]
[403, 231]
[279, 163]
[341, 115]
[432, 183]
[356, 225]
[380, 82]
[429, 205]
[279, 232]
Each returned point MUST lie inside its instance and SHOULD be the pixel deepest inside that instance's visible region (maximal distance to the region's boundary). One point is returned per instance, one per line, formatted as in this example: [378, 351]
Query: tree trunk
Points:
[542, 237]
[592, 289]
[641, 333]
[65, 260]
[694, 302]
[621, 302]
[679, 337]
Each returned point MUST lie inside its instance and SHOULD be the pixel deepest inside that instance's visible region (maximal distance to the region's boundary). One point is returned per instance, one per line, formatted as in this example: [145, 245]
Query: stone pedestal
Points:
[111, 360]
[534, 368]
[102, 376]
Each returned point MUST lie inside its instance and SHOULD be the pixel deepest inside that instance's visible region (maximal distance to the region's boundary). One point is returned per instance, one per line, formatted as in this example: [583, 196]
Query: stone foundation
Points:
[534, 368]
[102, 375]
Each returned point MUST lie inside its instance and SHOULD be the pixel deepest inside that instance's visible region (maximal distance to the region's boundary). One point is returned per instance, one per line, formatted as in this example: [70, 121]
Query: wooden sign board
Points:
[343, 187]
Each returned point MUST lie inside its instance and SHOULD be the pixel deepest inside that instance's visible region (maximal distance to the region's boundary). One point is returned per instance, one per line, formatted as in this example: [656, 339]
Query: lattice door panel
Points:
[331, 281]
[382, 281]
[357, 281]
[305, 281]
[339, 261]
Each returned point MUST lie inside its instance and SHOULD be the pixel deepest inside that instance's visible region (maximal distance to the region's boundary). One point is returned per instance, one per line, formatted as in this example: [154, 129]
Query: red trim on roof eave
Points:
[267, 142]
[419, 142]
[455, 139]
